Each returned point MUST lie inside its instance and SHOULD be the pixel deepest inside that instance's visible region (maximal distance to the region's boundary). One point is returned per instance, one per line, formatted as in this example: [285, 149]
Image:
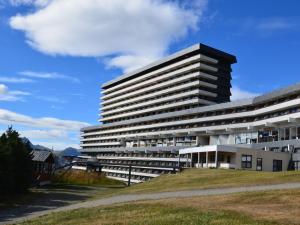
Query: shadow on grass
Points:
[48, 197]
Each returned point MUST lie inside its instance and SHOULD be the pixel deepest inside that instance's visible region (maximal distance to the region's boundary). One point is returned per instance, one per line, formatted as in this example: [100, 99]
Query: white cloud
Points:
[15, 80]
[238, 94]
[129, 62]
[124, 32]
[11, 96]
[3, 89]
[29, 2]
[44, 134]
[57, 145]
[49, 132]
[272, 24]
[47, 75]
[51, 99]
[11, 118]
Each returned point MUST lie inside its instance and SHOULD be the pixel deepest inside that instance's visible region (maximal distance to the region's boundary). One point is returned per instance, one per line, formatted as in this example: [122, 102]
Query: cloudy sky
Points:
[55, 54]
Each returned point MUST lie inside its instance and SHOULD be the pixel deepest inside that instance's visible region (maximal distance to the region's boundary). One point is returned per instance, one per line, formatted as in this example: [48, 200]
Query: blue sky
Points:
[55, 54]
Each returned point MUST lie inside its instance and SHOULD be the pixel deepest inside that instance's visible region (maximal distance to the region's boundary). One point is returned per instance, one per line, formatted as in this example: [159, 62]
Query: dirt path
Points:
[16, 216]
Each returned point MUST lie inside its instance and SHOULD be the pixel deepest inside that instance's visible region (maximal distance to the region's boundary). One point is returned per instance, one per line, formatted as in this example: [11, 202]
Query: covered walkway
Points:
[211, 156]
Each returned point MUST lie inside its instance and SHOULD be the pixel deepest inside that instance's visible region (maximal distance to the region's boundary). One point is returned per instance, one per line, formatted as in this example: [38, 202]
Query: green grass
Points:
[256, 208]
[235, 209]
[78, 177]
[207, 178]
[137, 214]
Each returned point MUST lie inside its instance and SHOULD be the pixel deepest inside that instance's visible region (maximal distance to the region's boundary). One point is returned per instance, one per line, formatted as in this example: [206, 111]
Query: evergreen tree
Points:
[16, 167]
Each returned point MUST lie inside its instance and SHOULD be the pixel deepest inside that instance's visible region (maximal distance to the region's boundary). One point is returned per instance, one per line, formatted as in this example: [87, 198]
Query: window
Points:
[287, 134]
[277, 165]
[259, 164]
[246, 161]
[212, 158]
[222, 158]
[228, 159]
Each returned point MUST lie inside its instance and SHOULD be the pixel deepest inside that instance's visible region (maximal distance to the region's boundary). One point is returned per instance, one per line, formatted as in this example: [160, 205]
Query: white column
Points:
[197, 141]
[191, 160]
[216, 159]
[198, 159]
[206, 159]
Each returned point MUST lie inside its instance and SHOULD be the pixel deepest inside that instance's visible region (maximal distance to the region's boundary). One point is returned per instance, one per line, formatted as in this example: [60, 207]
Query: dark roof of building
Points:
[40, 156]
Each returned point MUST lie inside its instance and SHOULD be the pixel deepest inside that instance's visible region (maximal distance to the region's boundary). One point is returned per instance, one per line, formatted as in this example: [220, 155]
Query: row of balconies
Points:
[161, 112]
[157, 87]
[183, 97]
[232, 124]
[155, 80]
[159, 101]
[159, 72]
[160, 165]
[182, 88]
[149, 155]
[204, 116]
[153, 109]
[246, 117]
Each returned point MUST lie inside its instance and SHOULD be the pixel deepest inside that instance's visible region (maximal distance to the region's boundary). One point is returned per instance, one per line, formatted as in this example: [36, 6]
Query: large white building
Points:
[176, 112]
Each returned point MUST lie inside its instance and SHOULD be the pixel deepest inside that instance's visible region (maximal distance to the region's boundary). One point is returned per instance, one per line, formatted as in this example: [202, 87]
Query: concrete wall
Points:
[267, 158]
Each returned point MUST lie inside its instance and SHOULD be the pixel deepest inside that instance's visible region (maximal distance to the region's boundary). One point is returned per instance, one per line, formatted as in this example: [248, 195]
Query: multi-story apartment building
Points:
[176, 112]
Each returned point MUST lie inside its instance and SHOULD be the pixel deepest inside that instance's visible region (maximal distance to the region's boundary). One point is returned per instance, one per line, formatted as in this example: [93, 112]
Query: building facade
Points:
[176, 112]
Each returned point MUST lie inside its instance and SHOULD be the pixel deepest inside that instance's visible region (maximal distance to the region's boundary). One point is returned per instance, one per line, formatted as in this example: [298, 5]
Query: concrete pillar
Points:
[174, 141]
[191, 160]
[216, 159]
[197, 141]
[198, 159]
[207, 159]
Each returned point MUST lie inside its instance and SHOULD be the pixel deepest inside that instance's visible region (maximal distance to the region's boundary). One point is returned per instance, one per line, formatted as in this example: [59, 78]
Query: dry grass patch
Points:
[147, 214]
[78, 177]
[191, 179]
[282, 207]
[255, 208]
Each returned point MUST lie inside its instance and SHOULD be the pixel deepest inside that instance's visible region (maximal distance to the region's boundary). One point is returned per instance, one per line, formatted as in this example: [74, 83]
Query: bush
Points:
[16, 167]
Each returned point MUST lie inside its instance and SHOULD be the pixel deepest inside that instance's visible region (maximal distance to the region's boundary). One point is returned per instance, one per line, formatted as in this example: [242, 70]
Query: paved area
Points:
[16, 216]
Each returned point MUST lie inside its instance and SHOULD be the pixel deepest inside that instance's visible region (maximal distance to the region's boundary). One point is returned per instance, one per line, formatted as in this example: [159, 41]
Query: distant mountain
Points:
[35, 147]
[72, 152]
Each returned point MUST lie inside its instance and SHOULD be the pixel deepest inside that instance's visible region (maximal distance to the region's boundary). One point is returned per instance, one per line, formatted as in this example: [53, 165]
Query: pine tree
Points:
[16, 168]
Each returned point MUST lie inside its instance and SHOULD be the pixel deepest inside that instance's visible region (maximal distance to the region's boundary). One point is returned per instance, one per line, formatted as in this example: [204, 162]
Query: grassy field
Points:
[259, 208]
[272, 207]
[78, 177]
[207, 178]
